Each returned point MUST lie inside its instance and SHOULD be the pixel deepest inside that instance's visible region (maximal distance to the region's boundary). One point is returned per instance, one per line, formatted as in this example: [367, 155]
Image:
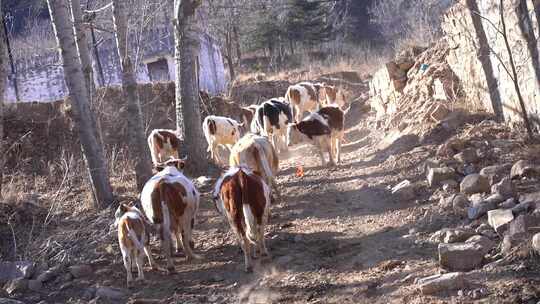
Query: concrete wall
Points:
[479, 57]
[41, 79]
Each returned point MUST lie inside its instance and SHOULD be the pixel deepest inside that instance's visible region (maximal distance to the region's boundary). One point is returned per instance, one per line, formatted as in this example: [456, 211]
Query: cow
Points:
[257, 153]
[170, 201]
[333, 96]
[271, 119]
[303, 97]
[324, 128]
[220, 130]
[244, 198]
[133, 240]
[163, 144]
[247, 114]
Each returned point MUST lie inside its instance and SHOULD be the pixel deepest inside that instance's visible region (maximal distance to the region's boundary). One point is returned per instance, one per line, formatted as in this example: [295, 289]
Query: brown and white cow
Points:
[163, 144]
[247, 113]
[244, 198]
[133, 240]
[333, 96]
[170, 201]
[257, 153]
[303, 97]
[222, 131]
[324, 129]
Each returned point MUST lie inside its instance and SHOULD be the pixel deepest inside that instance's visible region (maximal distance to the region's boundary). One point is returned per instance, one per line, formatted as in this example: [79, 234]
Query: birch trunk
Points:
[137, 140]
[187, 47]
[78, 93]
[3, 77]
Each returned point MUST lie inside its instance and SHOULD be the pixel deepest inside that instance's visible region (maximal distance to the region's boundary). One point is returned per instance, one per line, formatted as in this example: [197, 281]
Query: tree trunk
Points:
[237, 44]
[228, 55]
[137, 140]
[187, 46]
[82, 115]
[3, 77]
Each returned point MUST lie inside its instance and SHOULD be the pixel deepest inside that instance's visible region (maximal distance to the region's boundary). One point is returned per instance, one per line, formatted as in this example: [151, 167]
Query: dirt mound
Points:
[255, 92]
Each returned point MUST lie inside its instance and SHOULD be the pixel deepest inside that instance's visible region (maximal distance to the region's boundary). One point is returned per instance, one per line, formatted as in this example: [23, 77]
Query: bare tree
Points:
[188, 115]
[78, 93]
[136, 136]
[3, 77]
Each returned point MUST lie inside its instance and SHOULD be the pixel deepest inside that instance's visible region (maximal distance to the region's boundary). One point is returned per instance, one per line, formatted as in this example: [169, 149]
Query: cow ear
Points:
[124, 207]
[159, 167]
[180, 164]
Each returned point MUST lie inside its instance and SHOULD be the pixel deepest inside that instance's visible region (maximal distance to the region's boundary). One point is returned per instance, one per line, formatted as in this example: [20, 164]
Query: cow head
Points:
[294, 136]
[123, 208]
[178, 163]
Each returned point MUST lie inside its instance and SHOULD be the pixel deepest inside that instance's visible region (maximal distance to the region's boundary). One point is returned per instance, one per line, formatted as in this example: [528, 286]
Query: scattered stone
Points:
[505, 188]
[494, 199]
[508, 204]
[431, 163]
[496, 173]
[485, 243]
[451, 235]
[15, 286]
[449, 185]
[467, 156]
[474, 183]
[536, 243]
[521, 208]
[523, 168]
[88, 293]
[16, 270]
[523, 225]
[9, 301]
[298, 238]
[460, 256]
[460, 203]
[404, 190]
[203, 181]
[530, 198]
[499, 219]
[442, 282]
[35, 285]
[111, 293]
[48, 275]
[479, 209]
[80, 271]
[436, 175]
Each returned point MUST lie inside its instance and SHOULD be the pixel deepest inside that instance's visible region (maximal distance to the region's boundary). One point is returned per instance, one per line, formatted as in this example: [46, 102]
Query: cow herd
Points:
[244, 192]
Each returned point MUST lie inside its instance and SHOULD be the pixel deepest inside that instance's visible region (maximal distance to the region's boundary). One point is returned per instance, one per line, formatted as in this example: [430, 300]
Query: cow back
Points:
[334, 116]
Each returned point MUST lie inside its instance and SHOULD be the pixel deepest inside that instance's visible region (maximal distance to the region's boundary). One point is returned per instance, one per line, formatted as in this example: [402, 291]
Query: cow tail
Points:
[135, 239]
[260, 158]
[249, 217]
[206, 133]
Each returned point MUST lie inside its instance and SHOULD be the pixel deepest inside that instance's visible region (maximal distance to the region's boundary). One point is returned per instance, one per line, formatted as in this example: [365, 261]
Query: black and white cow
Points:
[271, 119]
[324, 128]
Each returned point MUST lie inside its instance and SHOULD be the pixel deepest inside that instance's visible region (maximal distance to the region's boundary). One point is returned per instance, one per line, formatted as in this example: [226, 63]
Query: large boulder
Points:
[523, 225]
[477, 210]
[530, 198]
[474, 183]
[499, 219]
[460, 256]
[442, 282]
[437, 175]
[485, 243]
[15, 270]
[448, 235]
[505, 188]
[524, 168]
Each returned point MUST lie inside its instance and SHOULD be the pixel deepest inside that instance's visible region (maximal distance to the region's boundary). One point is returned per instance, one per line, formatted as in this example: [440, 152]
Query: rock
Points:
[474, 183]
[505, 188]
[298, 238]
[50, 274]
[496, 173]
[203, 181]
[460, 256]
[405, 190]
[479, 209]
[467, 156]
[431, 163]
[442, 282]
[111, 293]
[449, 185]
[451, 235]
[88, 293]
[523, 225]
[16, 286]
[521, 208]
[524, 168]
[9, 301]
[35, 285]
[536, 243]
[436, 175]
[485, 243]
[16, 270]
[510, 241]
[508, 204]
[494, 199]
[460, 203]
[499, 219]
[530, 198]
[80, 271]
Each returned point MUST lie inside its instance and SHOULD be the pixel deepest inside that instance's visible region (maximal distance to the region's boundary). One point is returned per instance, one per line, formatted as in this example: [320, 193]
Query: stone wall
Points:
[41, 79]
[479, 57]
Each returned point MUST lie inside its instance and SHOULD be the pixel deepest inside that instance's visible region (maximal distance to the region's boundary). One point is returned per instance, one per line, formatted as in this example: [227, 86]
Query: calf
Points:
[133, 240]
[218, 131]
[163, 144]
[303, 97]
[271, 119]
[247, 114]
[244, 198]
[256, 152]
[323, 128]
[170, 202]
[333, 96]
